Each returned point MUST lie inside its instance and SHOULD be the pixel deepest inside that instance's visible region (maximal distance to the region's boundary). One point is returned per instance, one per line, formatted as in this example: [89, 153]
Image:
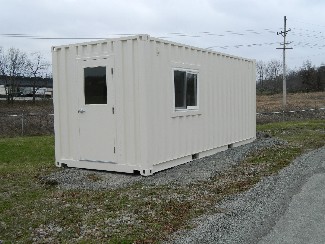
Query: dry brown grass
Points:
[18, 107]
[295, 101]
[264, 103]
[37, 121]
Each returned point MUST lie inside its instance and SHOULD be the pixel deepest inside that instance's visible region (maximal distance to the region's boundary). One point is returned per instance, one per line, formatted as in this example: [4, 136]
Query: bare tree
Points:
[321, 77]
[273, 76]
[273, 69]
[261, 71]
[308, 74]
[307, 78]
[12, 67]
[37, 68]
[3, 65]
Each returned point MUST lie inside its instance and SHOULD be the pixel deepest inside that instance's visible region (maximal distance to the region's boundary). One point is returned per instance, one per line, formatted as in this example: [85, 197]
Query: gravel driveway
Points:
[197, 170]
[249, 216]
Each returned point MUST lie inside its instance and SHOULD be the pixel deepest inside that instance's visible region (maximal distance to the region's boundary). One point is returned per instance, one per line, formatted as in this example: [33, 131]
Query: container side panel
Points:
[252, 91]
[225, 95]
[236, 97]
[56, 101]
[212, 93]
[71, 101]
[65, 103]
[129, 75]
[129, 86]
[143, 74]
[120, 102]
[219, 108]
[157, 92]
[62, 93]
[131, 104]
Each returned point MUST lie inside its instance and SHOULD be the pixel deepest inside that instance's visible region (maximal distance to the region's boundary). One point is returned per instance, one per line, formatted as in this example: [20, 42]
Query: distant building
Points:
[2, 91]
[29, 81]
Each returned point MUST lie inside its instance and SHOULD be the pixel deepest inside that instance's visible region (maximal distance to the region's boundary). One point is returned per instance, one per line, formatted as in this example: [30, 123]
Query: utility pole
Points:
[284, 48]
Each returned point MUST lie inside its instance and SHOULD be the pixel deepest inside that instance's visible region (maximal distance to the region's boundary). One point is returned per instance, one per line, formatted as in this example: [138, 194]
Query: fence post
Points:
[22, 124]
[283, 115]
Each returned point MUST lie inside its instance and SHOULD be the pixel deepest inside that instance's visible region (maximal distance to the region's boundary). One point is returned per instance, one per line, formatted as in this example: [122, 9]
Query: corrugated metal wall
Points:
[226, 111]
[149, 131]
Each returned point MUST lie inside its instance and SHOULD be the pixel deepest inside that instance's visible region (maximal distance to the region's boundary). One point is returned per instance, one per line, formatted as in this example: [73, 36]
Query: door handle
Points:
[81, 110]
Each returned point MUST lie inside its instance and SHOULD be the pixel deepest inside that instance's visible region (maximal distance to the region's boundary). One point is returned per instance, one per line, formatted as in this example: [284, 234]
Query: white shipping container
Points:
[142, 104]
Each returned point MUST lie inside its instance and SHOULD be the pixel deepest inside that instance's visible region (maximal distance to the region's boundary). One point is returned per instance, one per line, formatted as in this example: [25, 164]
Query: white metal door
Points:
[97, 128]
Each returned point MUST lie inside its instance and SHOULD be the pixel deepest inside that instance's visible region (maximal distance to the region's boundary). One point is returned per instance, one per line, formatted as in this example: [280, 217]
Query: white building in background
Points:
[142, 104]
[2, 91]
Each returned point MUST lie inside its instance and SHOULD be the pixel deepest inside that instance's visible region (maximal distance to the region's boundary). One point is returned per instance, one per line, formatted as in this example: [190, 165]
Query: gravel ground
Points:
[241, 218]
[249, 216]
[197, 170]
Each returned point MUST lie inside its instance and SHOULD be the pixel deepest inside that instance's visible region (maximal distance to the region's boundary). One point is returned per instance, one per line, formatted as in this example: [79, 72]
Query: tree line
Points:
[307, 78]
[16, 64]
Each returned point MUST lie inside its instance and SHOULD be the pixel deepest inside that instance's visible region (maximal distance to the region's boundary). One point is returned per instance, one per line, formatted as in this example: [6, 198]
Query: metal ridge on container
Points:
[150, 38]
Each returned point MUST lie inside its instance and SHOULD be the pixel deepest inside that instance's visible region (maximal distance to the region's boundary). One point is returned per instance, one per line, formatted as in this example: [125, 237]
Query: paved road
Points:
[304, 220]
[285, 208]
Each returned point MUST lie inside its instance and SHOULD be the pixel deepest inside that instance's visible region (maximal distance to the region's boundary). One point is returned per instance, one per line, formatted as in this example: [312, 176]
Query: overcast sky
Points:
[244, 28]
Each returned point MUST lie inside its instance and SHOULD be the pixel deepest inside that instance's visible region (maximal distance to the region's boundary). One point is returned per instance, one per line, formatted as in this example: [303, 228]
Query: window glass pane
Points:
[191, 95]
[180, 89]
[95, 85]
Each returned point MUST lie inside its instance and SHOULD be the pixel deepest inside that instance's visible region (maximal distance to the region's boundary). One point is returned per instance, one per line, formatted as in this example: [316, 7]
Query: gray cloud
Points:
[241, 27]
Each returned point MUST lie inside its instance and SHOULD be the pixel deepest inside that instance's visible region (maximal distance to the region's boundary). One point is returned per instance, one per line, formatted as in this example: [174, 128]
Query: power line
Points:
[179, 34]
[308, 23]
[302, 44]
[308, 56]
[224, 40]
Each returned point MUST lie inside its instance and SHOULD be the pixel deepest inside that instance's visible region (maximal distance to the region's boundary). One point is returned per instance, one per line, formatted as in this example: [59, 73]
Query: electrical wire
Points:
[307, 38]
[180, 34]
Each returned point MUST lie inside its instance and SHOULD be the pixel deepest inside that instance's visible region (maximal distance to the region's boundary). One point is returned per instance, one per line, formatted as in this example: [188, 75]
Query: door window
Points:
[95, 85]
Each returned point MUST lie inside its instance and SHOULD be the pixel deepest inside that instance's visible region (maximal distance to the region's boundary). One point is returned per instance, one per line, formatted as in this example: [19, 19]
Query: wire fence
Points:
[290, 115]
[27, 118]
[26, 124]
[32, 124]
[24, 117]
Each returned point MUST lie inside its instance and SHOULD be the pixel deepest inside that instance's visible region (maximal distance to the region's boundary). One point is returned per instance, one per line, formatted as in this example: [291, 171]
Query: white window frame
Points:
[188, 108]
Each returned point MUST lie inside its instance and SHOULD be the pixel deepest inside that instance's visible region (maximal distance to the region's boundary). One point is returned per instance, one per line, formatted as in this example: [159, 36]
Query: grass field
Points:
[33, 211]
[295, 101]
